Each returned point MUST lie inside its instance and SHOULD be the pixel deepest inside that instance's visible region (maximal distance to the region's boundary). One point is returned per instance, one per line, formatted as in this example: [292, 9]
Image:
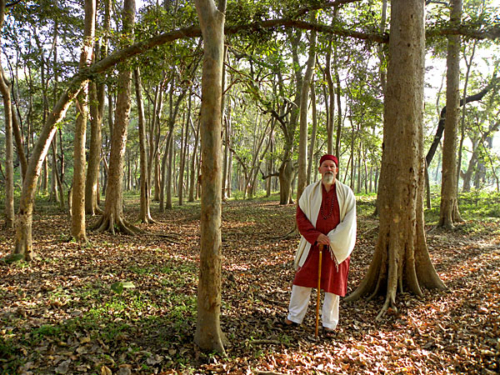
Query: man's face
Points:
[328, 170]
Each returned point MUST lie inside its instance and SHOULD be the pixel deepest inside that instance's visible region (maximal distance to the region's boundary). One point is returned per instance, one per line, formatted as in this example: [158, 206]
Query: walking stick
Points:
[319, 289]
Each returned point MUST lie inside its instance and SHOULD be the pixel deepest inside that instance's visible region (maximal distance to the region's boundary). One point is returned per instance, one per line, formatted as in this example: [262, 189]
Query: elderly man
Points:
[326, 215]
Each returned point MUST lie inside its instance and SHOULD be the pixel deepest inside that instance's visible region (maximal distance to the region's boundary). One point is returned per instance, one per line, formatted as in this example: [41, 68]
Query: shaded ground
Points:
[126, 305]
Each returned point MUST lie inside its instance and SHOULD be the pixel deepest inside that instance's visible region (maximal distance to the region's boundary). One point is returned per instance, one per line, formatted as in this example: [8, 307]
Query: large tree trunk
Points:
[112, 220]
[145, 212]
[449, 213]
[78, 232]
[304, 108]
[401, 256]
[208, 334]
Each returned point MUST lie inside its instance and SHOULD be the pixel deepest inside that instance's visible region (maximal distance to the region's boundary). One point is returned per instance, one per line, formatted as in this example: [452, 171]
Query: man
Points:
[326, 215]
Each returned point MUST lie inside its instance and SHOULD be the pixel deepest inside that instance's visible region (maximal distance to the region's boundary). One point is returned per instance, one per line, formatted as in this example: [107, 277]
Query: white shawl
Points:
[343, 237]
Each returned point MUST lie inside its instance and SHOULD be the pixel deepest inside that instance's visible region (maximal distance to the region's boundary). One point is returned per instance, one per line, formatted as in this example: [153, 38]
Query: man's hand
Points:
[323, 240]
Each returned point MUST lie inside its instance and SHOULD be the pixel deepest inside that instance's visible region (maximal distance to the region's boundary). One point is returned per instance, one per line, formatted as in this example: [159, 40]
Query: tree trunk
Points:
[286, 169]
[170, 168]
[208, 334]
[304, 108]
[449, 214]
[339, 107]
[313, 134]
[145, 211]
[183, 155]
[194, 177]
[401, 256]
[112, 220]
[331, 96]
[5, 87]
[16, 128]
[98, 95]
[78, 232]
[9, 146]
[462, 117]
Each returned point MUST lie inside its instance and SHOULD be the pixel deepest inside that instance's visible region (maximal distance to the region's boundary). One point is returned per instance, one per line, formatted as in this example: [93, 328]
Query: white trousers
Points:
[298, 307]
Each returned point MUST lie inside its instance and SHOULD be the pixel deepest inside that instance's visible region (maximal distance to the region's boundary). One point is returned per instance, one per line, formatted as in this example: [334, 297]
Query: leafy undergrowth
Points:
[127, 305]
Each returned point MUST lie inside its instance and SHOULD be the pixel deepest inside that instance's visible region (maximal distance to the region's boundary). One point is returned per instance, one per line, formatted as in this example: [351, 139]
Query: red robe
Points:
[332, 280]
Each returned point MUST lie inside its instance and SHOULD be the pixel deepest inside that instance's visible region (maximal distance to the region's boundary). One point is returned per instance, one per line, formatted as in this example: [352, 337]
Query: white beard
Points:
[328, 179]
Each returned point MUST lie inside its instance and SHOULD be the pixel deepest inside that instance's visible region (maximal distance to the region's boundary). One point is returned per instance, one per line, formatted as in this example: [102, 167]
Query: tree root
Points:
[293, 233]
[171, 238]
[148, 220]
[120, 225]
[387, 305]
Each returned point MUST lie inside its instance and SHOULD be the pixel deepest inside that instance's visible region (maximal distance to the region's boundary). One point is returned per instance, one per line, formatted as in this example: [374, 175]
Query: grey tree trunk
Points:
[208, 334]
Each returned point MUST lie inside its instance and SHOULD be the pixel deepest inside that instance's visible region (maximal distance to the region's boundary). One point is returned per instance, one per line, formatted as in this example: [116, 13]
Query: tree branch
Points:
[440, 128]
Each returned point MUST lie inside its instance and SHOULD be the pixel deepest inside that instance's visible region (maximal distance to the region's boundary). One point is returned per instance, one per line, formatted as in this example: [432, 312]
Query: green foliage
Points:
[120, 286]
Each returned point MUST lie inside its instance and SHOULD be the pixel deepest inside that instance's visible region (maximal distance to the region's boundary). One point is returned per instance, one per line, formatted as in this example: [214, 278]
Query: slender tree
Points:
[449, 214]
[304, 108]
[98, 95]
[78, 231]
[5, 87]
[209, 335]
[145, 212]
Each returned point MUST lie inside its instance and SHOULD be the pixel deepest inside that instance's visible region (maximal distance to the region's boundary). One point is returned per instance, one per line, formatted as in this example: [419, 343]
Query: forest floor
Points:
[127, 305]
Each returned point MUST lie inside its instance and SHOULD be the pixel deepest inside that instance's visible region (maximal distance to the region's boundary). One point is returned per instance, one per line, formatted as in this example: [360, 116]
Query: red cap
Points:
[329, 157]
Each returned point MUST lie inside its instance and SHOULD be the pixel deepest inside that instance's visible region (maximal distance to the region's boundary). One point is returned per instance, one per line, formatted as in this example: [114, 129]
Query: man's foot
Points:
[289, 323]
[328, 332]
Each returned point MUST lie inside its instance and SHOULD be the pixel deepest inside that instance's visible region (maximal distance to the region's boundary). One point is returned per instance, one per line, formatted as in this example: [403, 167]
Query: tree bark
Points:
[304, 108]
[112, 220]
[193, 176]
[145, 211]
[97, 94]
[313, 135]
[183, 154]
[401, 256]
[5, 87]
[78, 232]
[208, 334]
[286, 169]
[449, 214]
[9, 146]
